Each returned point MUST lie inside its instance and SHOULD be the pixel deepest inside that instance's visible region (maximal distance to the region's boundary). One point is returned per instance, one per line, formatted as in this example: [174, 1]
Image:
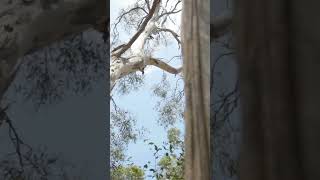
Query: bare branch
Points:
[148, 4]
[144, 24]
[174, 34]
[164, 66]
[122, 16]
[118, 47]
[134, 64]
[172, 11]
[129, 11]
[220, 57]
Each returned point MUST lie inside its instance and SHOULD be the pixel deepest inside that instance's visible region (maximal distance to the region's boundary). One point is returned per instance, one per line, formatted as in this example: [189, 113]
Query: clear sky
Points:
[142, 102]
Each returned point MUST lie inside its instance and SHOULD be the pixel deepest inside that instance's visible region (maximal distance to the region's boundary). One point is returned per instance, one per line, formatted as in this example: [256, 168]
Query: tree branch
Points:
[164, 66]
[172, 11]
[174, 34]
[148, 4]
[144, 24]
[133, 64]
[125, 13]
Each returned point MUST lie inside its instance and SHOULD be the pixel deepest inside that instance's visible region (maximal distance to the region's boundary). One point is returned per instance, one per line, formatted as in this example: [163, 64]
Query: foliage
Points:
[34, 164]
[168, 161]
[168, 158]
[129, 83]
[123, 131]
[131, 172]
[170, 107]
[170, 103]
[73, 65]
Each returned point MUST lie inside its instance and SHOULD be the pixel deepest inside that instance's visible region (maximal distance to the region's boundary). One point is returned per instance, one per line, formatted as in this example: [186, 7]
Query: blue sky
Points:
[142, 102]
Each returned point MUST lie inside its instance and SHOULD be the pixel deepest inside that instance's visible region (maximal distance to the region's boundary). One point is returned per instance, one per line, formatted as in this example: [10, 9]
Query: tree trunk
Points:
[196, 71]
[26, 25]
[137, 61]
[279, 88]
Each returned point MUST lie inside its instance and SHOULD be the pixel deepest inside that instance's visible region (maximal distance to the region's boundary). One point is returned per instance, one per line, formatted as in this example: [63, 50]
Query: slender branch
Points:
[116, 107]
[220, 57]
[174, 34]
[172, 11]
[14, 136]
[148, 4]
[115, 30]
[127, 12]
[8, 80]
[118, 47]
[144, 24]
[15, 140]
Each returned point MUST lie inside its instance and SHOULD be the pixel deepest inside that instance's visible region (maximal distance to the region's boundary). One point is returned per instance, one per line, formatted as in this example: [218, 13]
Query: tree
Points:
[154, 17]
[148, 22]
[168, 158]
[131, 172]
[196, 64]
[277, 57]
[124, 62]
[172, 164]
[43, 74]
[27, 28]
[225, 118]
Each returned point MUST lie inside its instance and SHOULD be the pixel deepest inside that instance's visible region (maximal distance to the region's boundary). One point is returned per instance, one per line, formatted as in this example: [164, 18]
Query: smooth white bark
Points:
[138, 59]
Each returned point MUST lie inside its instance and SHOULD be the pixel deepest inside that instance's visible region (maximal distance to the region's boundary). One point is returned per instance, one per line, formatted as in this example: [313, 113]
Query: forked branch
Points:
[125, 47]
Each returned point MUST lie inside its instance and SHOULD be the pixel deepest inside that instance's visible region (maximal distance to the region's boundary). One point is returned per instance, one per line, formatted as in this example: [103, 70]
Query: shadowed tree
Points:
[29, 25]
[27, 28]
[278, 60]
[225, 118]
[45, 77]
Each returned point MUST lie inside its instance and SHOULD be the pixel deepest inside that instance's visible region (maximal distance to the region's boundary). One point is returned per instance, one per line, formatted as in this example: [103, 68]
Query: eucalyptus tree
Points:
[148, 25]
[150, 20]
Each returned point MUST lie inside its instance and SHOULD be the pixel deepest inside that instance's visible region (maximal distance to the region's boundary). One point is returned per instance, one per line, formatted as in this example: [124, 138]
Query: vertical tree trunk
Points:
[279, 82]
[196, 70]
